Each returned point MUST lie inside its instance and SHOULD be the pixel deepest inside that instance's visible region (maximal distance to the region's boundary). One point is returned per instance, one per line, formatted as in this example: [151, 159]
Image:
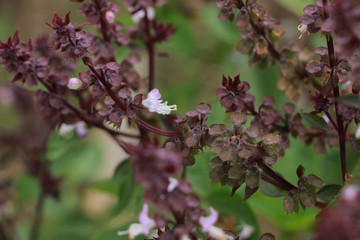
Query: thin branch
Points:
[106, 86]
[39, 208]
[331, 120]
[102, 22]
[150, 46]
[336, 91]
[85, 118]
[156, 130]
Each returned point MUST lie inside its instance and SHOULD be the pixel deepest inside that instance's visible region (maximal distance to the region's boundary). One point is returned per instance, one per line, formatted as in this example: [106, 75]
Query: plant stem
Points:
[102, 22]
[281, 186]
[39, 208]
[336, 92]
[150, 46]
[156, 130]
[287, 185]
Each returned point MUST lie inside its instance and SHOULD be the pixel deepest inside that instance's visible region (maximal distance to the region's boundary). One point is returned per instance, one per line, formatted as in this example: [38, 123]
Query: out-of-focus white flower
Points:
[207, 222]
[79, 127]
[349, 193]
[327, 120]
[143, 227]
[66, 129]
[246, 232]
[154, 104]
[173, 183]
[357, 133]
[217, 233]
[303, 29]
[74, 83]
[81, 130]
[207, 225]
[136, 17]
[185, 237]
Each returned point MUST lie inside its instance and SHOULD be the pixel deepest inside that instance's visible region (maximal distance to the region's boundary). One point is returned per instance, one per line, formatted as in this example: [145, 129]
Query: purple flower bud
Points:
[74, 84]
[110, 17]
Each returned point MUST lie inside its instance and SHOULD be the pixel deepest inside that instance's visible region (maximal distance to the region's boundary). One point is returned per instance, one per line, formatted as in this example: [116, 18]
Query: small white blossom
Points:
[79, 127]
[143, 227]
[185, 237]
[74, 83]
[154, 104]
[303, 29]
[173, 183]
[136, 17]
[326, 119]
[217, 233]
[207, 225]
[110, 16]
[246, 232]
[350, 192]
[357, 133]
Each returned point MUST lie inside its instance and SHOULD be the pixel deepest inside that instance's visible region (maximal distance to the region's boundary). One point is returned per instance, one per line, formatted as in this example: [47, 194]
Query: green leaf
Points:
[79, 162]
[328, 193]
[234, 207]
[315, 121]
[107, 186]
[270, 190]
[124, 180]
[350, 100]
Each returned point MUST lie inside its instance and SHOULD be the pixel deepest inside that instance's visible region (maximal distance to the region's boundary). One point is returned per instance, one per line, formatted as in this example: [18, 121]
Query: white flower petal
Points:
[146, 222]
[173, 183]
[154, 104]
[246, 232]
[357, 133]
[209, 221]
[217, 233]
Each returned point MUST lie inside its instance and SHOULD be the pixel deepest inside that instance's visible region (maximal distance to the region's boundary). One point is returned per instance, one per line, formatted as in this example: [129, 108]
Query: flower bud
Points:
[74, 84]
[110, 17]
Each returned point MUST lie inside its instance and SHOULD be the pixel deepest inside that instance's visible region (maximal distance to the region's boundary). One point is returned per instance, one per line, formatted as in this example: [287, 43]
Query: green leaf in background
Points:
[225, 31]
[27, 189]
[350, 100]
[124, 180]
[294, 6]
[80, 161]
[315, 121]
[234, 207]
[198, 174]
[270, 190]
[328, 193]
[59, 145]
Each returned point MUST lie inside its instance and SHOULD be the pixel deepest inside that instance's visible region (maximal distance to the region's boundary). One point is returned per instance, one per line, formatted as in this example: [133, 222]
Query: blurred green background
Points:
[201, 51]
